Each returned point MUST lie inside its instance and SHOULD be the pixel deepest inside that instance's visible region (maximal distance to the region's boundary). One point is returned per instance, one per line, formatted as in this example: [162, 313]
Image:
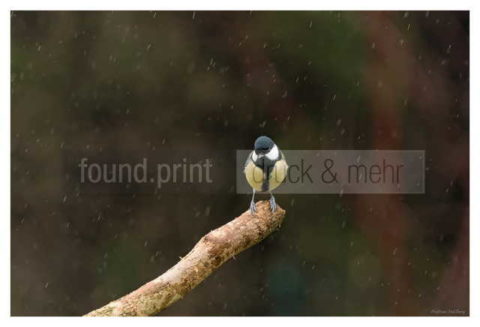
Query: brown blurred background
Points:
[122, 86]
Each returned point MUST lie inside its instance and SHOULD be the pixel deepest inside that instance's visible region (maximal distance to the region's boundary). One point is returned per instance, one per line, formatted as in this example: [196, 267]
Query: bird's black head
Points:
[263, 145]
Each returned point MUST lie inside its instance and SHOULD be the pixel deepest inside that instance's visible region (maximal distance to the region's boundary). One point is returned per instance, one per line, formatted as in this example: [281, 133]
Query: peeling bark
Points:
[209, 253]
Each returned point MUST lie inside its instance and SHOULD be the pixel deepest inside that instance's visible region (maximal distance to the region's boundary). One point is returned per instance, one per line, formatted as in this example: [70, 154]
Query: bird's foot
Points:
[273, 204]
[253, 207]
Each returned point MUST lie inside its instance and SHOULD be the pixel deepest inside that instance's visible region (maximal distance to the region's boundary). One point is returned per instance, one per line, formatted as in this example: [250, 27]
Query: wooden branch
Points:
[209, 253]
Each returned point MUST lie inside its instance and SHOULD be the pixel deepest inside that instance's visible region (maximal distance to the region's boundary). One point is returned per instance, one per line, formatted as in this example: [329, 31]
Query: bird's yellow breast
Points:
[279, 172]
[256, 177]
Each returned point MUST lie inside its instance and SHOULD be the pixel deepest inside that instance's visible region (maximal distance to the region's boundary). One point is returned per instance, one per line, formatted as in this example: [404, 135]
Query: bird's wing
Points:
[282, 157]
[249, 158]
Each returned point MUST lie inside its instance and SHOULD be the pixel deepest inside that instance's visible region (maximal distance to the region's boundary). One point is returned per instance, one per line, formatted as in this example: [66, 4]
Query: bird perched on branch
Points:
[265, 169]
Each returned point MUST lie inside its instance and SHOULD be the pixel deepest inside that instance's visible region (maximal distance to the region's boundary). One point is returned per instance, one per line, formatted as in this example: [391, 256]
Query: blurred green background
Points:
[121, 86]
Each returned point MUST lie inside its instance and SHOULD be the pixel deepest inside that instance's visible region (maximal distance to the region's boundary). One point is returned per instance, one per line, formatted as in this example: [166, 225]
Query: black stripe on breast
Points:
[267, 166]
[265, 184]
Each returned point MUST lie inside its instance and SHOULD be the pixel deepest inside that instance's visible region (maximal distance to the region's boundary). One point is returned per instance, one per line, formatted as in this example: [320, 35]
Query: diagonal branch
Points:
[209, 253]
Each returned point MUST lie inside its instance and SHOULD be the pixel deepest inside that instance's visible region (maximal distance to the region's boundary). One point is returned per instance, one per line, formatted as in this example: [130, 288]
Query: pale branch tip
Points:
[213, 249]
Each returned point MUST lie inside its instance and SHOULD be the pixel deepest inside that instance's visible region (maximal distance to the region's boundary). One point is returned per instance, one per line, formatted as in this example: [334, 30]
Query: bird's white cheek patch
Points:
[273, 153]
[254, 157]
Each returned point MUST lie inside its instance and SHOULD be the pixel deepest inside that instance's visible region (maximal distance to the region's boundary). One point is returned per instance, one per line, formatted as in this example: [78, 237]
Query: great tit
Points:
[265, 169]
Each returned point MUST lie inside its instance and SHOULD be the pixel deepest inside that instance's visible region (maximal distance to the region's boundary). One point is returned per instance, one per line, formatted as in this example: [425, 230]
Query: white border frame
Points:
[8, 5]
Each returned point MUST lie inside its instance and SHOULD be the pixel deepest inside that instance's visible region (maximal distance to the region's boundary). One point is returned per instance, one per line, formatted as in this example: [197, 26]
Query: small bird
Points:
[265, 169]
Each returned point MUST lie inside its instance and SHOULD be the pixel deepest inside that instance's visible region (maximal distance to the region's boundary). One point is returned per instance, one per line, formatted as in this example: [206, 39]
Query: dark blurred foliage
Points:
[120, 86]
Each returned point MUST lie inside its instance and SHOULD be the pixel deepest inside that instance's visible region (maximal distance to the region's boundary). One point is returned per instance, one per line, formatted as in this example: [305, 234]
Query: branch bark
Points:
[209, 253]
